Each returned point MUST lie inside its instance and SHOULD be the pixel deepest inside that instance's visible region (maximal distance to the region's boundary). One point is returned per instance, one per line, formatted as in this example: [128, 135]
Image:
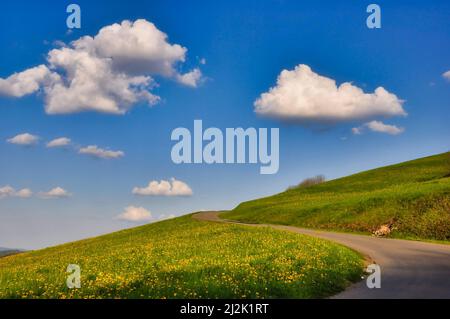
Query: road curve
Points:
[409, 269]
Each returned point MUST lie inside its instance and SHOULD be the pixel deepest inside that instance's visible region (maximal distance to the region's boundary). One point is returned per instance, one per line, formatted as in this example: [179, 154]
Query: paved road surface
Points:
[409, 269]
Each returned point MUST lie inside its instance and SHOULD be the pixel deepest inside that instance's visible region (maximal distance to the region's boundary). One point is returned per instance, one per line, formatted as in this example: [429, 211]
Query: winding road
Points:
[409, 269]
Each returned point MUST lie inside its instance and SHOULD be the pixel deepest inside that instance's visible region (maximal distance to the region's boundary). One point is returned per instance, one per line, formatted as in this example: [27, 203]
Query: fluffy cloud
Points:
[95, 151]
[28, 81]
[135, 47]
[191, 78]
[380, 127]
[109, 72]
[24, 193]
[164, 188]
[24, 139]
[304, 96]
[446, 75]
[135, 214]
[93, 85]
[56, 192]
[59, 142]
[8, 191]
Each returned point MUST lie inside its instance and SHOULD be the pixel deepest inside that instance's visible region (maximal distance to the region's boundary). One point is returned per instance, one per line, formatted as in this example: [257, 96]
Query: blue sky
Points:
[245, 46]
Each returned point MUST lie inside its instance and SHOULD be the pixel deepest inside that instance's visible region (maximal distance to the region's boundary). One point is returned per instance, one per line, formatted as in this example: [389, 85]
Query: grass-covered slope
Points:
[413, 197]
[185, 258]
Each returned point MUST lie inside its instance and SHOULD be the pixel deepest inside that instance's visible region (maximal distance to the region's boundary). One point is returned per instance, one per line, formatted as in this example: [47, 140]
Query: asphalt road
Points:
[409, 269]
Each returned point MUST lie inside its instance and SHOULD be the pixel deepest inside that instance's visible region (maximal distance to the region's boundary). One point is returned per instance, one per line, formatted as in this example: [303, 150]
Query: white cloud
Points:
[24, 139]
[109, 72]
[59, 142]
[24, 193]
[93, 85]
[95, 151]
[191, 78]
[164, 188]
[304, 96]
[27, 82]
[8, 191]
[135, 214]
[56, 192]
[135, 47]
[380, 127]
[446, 75]
[357, 130]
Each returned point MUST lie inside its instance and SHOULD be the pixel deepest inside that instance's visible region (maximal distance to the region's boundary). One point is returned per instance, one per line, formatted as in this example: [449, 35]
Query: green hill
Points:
[185, 258]
[413, 198]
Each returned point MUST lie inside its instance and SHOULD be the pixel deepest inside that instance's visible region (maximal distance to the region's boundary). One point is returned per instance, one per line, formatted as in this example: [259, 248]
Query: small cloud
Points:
[24, 139]
[59, 142]
[135, 214]
[191, 78]
[56, 192]
[59, 43]
[202, 61]
[380, 127]
[24, 193]
[164, 188]
[8, 191]
[357, 130]
[446, 75]
[95, 151]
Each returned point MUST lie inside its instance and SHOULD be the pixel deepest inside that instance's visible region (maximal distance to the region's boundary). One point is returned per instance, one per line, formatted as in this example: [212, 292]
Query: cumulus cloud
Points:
[56, 192]
[95, 151]
[93, 85]
[380, 127]
[164, 188]
[135, 214]
[191, 78]
[304, 96]
[24, 139]
[24, 193]
[108, 72]
[446, 75]
[8, 191]
[28, 81]
[59, 142]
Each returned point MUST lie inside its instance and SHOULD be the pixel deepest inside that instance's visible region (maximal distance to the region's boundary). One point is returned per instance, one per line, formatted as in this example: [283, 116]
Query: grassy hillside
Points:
[413, 196]
[7, 252]
[185, 258]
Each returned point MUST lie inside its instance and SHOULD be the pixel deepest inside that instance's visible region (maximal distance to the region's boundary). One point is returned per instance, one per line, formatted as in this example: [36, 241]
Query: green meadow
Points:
[185, 258]
[412, 197]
